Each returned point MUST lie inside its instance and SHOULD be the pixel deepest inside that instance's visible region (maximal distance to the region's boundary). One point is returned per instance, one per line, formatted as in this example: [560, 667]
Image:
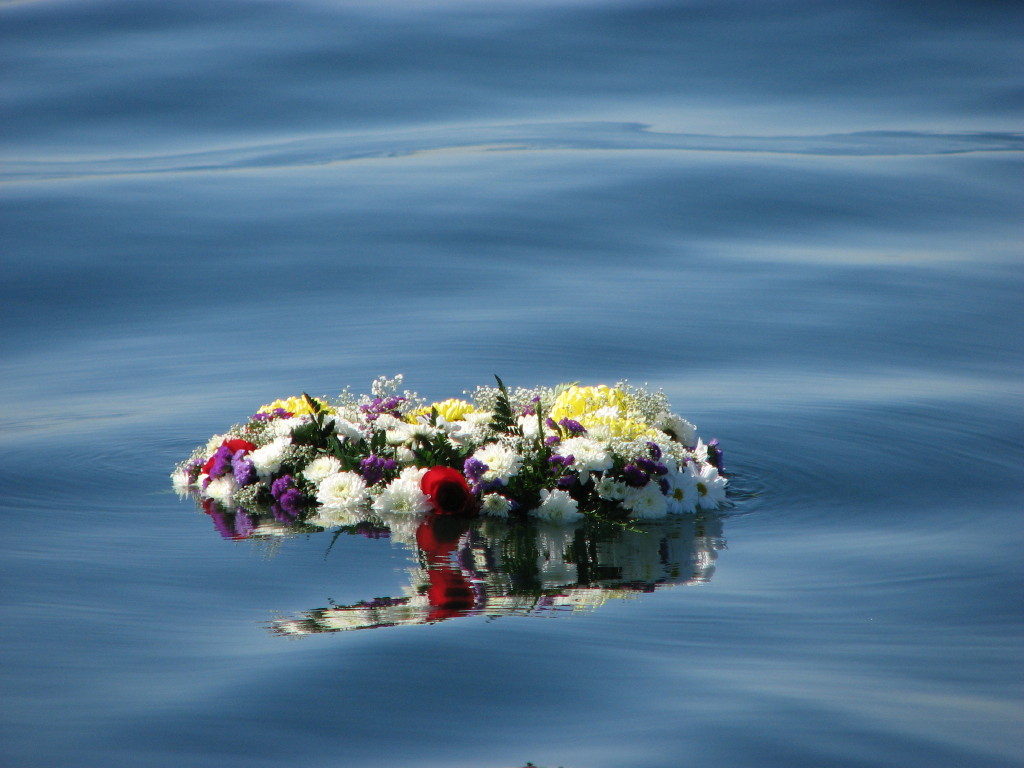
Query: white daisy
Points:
[710, 485]
[699, 452]
[557, 507]
[682, 492]
[676, 425]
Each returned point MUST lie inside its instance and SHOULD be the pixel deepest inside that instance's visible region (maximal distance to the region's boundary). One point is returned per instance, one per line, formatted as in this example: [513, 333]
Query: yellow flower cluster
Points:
[297, 406]
[576, 401]
[580, 404]
[619, 426]
[451, 409]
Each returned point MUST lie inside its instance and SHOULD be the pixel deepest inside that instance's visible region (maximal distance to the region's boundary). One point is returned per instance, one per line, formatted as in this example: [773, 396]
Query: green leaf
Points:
[504, 419]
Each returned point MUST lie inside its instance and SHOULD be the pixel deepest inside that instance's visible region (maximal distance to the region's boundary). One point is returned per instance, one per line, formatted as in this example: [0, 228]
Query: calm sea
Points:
[801, 219]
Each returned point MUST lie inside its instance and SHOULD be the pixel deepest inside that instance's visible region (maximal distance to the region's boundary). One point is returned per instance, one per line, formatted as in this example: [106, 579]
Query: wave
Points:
[533, 137]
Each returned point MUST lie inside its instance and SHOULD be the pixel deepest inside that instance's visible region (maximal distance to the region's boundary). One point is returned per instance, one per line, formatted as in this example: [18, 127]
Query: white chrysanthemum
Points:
[557, 507]
[502, 462]
[646, 503]
[399, 435]
[531, 428]
[588, 456]
[676, 425]
[267, 459]
[180, 481]
[608, 412]
[404, 456]
[610, 489]
[221, 489]
[495, 505]
[710, 485]
[402, 497]
[412, 474]
[213, 444]
[321, 467]
[682, 492]
[473, 428]
[422, 430]
[342, 491]
[346, 430]
[285, 427]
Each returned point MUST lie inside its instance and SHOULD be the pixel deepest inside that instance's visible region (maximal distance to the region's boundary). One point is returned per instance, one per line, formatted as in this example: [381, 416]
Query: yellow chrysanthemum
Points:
[619, 426]
[296, 406]
[451, 409]
[575, 401]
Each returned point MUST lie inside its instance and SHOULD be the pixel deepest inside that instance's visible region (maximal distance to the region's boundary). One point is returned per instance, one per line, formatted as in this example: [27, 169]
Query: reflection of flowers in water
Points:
[493, 568]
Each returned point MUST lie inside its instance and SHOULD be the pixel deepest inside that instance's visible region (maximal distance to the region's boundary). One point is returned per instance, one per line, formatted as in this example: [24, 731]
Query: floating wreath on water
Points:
[558, 454]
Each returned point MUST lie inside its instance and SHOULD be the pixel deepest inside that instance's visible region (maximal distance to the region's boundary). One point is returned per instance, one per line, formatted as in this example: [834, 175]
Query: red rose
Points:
[238, 444]
[448, 491]
[234, 445]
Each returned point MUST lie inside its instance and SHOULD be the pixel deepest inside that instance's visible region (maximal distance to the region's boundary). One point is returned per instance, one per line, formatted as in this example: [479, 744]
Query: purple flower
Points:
[474, 469]
[552, 440]
[634, 476]
[566, 481]
[530, 410]
[652, 467]
[552, 424]
[374, 467]
[561, 461]
[282, 484]
[379, 406]
[573, 427]
[245, 472]
[277, 413]
[715, 455]
[291, 501]
[488, 486]
[221, 462]
[655, 450]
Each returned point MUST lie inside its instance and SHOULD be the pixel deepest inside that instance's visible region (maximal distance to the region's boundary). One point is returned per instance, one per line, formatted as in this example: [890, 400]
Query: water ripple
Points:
[572, 136]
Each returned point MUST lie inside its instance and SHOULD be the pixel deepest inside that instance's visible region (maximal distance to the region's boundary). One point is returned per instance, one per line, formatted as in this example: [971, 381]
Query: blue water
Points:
[802, 220]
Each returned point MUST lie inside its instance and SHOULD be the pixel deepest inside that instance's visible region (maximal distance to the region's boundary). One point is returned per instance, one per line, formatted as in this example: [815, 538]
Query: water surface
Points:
[801, 220]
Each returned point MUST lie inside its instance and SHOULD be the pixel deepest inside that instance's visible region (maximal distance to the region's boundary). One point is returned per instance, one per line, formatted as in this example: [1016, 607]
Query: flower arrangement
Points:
[553, 453]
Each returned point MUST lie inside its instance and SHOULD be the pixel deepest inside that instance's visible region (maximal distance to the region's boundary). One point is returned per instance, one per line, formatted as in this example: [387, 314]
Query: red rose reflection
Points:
[448, 492]
[449, 591]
